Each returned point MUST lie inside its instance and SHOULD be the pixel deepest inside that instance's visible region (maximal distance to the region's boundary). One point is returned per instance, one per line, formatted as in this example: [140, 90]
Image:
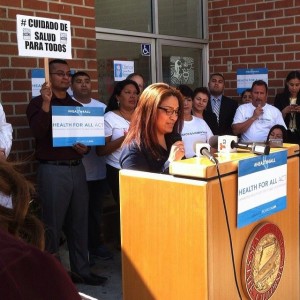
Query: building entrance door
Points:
[181, 63]
[118, 56]
[172, 62]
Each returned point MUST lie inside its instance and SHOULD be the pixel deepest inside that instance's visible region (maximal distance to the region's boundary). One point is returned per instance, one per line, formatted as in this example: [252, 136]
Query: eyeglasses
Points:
[62, 74]
[169, 111]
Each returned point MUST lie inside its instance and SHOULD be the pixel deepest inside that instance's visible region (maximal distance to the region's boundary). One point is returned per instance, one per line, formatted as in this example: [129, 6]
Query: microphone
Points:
[275, 143]
[204, 151]
[224, 143]
[255, 148]
[174, 137]
[213, 141]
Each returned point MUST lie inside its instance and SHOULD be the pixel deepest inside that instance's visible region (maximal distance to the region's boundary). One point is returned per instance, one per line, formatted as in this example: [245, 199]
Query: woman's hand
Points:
[289, 109]
[177, 151]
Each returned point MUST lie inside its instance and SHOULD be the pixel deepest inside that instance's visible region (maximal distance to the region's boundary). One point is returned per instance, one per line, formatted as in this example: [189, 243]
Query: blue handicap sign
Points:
[146, 49]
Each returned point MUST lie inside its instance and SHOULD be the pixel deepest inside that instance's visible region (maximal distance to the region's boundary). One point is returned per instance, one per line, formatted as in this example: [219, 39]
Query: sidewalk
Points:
[112, 289]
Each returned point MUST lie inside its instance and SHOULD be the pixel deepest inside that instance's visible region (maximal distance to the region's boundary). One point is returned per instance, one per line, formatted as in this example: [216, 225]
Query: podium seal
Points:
[263, 262]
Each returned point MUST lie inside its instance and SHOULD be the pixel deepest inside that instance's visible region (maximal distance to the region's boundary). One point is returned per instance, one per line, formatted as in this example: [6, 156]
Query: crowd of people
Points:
[145, 129]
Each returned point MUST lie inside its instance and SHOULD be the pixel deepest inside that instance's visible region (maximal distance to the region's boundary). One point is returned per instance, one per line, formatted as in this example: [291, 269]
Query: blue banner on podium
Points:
[262, 187]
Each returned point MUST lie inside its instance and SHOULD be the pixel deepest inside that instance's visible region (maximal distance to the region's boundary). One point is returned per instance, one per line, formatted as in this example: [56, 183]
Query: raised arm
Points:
[239, 128]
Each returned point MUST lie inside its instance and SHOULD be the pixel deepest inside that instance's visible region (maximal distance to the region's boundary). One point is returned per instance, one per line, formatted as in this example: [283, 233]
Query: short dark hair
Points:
[216, 74]
[135, 74]
[203, 90]
[79, 73]
[57, 61]
[259, 82]
[185, 91]
[245, 91]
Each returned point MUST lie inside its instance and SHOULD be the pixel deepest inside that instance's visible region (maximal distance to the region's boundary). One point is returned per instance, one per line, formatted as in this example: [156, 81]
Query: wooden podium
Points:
[174, 238]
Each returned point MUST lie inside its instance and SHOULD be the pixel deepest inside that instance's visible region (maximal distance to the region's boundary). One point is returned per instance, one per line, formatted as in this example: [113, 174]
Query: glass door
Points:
[181, 63]
[118, 56]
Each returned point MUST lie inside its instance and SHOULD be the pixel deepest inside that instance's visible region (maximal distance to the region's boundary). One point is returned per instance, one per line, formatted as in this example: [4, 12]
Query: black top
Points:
[133, 158]
[227, 111]
[283, 100]
[40, 123]
[211, 119]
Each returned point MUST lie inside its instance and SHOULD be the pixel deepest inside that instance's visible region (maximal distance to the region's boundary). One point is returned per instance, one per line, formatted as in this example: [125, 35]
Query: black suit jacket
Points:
[227, 111]
[211, 119]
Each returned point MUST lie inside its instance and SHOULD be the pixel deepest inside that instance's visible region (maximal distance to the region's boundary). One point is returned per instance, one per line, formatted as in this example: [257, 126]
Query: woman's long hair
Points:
[290, 76]
[16, 220]
[283, 130]
[143, 128]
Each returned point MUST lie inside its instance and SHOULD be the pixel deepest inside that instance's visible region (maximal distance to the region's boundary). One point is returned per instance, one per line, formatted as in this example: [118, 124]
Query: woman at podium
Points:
[153, 139]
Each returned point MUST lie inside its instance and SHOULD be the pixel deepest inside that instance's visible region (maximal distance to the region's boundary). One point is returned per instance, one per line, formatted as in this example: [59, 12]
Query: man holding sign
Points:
[61, 176]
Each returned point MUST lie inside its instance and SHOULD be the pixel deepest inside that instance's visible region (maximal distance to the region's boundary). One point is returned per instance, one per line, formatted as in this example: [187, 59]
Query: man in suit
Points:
[223, 107]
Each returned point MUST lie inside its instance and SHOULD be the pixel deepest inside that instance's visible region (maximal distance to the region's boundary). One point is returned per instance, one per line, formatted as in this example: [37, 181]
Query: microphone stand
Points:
[228, 231]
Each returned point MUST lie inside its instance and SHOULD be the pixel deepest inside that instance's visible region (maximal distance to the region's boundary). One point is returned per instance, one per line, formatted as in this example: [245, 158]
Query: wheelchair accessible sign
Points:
[146, 49]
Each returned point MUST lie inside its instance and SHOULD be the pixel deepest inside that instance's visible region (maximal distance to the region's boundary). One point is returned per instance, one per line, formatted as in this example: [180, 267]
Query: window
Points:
[131, 15]
[180, 18]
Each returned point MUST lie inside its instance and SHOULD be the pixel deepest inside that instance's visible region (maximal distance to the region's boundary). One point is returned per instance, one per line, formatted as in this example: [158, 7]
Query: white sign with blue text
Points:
[77, 124]
[122, 69]
[245, 78]
[262, 187]
[43, 37]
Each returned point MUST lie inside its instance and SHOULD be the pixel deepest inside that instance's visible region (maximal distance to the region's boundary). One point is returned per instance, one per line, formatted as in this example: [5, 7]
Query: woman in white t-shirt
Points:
[195, 130]
[117, 118]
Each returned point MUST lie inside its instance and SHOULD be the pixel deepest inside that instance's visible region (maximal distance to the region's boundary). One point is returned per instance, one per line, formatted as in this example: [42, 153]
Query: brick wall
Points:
[254, 34]
[249, 33]
[15, 71]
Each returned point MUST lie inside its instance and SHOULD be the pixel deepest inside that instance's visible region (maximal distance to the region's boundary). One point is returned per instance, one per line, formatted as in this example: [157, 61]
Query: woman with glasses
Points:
[153, 139]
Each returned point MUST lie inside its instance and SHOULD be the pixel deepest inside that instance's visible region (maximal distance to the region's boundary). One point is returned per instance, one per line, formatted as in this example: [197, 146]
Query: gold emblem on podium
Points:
[263, 262]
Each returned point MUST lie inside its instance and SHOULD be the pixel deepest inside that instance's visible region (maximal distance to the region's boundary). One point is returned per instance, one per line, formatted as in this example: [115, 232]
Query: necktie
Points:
[216, 108]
